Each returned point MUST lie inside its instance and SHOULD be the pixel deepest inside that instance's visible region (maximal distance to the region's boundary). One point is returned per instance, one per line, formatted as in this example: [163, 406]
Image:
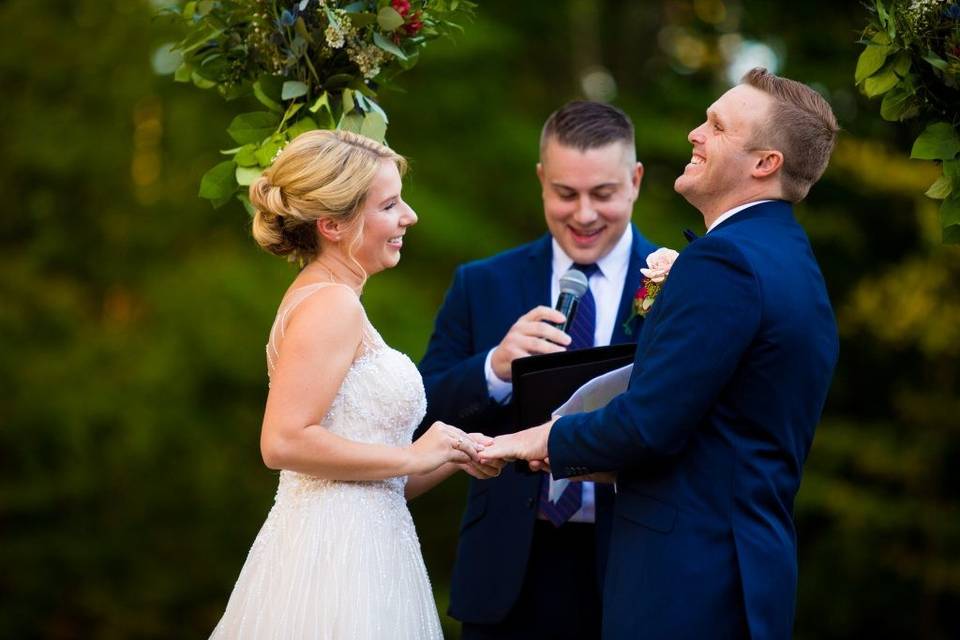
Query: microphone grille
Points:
[574, 282]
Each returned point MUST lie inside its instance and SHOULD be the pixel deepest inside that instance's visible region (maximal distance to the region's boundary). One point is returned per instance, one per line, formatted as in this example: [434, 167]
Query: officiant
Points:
[528, 564]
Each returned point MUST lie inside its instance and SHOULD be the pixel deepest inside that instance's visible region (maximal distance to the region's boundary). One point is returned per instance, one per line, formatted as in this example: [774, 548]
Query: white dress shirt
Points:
[607, 288]
[731, 212]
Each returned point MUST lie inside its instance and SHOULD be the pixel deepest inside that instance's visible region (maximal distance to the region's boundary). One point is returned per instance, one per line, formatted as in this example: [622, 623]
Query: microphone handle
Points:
[567, 304]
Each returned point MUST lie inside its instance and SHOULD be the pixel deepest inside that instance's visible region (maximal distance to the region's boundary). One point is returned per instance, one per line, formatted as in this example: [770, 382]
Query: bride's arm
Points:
[316, 352]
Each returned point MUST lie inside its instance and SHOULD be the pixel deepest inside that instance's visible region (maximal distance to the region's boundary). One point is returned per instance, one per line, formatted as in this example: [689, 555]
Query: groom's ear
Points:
[768, 162]
[540, 172]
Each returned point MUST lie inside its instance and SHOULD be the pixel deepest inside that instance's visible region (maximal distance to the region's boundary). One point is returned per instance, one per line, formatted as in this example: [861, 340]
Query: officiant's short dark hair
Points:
[583, 125]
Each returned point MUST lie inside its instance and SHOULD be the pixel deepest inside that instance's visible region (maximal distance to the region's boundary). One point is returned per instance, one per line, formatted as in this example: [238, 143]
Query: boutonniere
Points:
[658, 268]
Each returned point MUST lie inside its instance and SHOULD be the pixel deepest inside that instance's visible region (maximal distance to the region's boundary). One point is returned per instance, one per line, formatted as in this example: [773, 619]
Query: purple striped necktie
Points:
[585, 320]
[581, 334]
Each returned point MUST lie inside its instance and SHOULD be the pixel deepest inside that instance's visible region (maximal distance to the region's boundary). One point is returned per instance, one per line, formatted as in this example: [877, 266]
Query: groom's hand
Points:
[540, 465]
[481, 470]
[530, 444]
[530, 335]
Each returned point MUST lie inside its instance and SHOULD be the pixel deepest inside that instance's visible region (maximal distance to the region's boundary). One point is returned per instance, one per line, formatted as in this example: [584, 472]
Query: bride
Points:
[338, 556]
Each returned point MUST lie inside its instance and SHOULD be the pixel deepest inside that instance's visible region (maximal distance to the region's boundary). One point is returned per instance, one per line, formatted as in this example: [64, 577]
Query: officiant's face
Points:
[588, 196]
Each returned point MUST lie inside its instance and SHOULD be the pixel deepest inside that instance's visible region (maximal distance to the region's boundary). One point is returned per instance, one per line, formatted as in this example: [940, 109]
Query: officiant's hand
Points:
[483, 471]
[530, 335]
[530, 444]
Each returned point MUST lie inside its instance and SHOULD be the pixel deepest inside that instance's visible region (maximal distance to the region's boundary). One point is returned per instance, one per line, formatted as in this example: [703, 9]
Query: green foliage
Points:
[939, 141]
[219, 183]
[912, 59]
[308, 53]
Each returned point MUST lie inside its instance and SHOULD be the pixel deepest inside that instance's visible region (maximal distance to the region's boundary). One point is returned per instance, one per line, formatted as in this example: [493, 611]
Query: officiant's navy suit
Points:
[731, 373]
[484, 301]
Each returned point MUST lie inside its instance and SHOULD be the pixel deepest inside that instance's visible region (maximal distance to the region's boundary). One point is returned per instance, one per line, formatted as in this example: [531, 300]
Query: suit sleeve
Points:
[452, 368]
[704, 321]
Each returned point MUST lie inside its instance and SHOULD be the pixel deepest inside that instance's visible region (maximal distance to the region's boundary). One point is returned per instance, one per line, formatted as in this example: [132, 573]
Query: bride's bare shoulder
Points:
[329, 315]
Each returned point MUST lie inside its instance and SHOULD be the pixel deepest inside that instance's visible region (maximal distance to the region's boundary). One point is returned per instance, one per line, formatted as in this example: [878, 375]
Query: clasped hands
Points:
[479, 455]
[483, 457]
[530, 445]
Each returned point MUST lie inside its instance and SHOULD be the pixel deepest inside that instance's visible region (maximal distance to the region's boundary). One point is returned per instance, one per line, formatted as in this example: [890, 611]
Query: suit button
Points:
[530, 503]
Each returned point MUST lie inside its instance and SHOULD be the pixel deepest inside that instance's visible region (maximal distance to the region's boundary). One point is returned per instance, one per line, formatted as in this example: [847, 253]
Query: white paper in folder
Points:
[595, 394]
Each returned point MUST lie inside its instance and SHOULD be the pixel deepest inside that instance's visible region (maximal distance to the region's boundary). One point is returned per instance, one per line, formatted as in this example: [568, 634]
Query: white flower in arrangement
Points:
[339, 30]
[368, 58]
[334, 37]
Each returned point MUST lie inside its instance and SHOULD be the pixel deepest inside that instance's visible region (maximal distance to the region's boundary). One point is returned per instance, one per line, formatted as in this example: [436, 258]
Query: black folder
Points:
[542, 383]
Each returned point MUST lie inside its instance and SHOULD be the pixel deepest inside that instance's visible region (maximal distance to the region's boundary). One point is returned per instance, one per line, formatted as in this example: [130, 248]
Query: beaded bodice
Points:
[381, 399]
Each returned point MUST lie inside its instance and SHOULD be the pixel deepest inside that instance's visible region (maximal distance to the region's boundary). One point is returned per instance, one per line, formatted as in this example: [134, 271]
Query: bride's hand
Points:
[442, 443]
[490, 469]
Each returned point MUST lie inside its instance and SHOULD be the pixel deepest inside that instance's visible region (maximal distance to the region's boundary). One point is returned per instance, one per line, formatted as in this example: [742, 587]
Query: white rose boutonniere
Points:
[658, 268]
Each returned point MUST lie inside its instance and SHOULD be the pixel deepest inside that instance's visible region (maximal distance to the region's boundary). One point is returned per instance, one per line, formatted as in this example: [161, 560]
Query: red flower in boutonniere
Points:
[658, 268]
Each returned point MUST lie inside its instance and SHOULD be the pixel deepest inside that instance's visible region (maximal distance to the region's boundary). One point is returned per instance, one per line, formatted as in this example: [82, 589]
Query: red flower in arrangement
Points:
[413, 27]
[401, 6]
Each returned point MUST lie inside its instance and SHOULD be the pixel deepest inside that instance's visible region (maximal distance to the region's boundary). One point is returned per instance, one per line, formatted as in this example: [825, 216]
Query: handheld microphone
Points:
[573, 284]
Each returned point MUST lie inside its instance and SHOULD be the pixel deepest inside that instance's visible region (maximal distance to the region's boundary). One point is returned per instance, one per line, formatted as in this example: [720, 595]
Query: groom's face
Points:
[722, 158]
[588, 196]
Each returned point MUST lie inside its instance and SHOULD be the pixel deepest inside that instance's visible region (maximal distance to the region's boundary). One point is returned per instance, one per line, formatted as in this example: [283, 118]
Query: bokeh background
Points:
[133, 315]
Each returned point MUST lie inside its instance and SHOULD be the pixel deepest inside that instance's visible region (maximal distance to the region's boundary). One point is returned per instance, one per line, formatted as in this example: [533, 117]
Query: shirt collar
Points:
[610, 265]
[729, 214]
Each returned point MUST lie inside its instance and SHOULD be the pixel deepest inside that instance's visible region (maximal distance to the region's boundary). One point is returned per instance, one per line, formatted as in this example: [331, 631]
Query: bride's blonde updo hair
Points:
[320, 174]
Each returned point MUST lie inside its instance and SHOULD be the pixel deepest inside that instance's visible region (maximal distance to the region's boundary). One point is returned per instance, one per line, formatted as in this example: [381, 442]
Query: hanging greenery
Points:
[312, 64]
[912, 60]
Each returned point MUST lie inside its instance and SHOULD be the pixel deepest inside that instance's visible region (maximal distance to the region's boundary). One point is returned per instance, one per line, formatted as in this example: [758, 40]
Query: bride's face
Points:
[385, 220]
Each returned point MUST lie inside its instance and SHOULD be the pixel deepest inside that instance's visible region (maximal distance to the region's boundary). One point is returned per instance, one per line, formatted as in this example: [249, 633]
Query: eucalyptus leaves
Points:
[312, 64]
[912, 59]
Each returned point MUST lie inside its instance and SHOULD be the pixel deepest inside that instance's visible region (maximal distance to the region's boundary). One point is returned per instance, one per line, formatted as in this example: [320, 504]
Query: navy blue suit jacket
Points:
[732, 370]
[485, 299]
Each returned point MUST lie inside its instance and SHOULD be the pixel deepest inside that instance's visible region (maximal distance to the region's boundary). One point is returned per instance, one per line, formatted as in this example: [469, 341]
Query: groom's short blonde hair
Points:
[800, 125]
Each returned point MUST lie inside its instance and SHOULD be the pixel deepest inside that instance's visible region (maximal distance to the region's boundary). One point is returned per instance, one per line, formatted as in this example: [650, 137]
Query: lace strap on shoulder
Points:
[300, 294]
[371, 338]
[279, 327]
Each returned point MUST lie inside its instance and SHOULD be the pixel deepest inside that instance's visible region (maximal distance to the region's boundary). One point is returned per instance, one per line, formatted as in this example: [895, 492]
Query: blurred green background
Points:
[133, 316]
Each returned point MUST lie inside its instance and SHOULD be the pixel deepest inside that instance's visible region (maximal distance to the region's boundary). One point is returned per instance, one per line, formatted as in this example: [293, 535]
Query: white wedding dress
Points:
[341, 560]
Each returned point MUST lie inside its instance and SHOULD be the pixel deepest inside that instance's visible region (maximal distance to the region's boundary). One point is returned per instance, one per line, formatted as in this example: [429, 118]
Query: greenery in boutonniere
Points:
[312, 64]
[912, 59]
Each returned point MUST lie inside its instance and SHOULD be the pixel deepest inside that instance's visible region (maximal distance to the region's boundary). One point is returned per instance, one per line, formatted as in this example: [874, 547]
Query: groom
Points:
[730, 377]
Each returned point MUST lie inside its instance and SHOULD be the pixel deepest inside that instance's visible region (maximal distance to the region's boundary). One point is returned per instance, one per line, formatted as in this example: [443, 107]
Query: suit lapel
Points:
[638, 260]
[536, 282]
